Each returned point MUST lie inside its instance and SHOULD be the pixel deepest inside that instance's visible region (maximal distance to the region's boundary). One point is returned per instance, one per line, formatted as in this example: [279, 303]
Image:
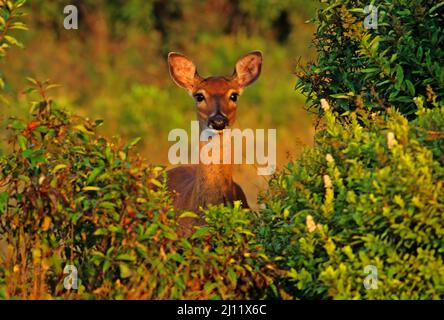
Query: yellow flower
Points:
[391, 141]
[327, 182]
[329, 158]
[311, 225]
[325, 105]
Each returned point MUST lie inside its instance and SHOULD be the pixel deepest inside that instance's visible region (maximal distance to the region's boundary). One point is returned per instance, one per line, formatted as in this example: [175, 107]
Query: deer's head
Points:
[216, 97]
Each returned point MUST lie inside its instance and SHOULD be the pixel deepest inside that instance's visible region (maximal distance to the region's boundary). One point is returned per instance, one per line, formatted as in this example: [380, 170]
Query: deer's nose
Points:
[218, 122]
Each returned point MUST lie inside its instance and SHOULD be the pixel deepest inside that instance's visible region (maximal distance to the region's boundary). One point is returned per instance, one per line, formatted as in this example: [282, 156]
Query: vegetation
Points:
[377, 68]
[114, 66]
[10, 14]
[73, 198]
[69, 197]
[369, 193]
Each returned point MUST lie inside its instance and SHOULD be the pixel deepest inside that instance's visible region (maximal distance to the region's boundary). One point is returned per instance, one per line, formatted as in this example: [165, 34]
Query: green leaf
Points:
[177, 257]
[18, 125]
[51, 86]
[232, 276]
[370, 70]
[189, 214]
[410, 87]
[22, 142]
[19, 3]
[435, 7]
[393, 58]
[399, 77]
[170, 235]
[419, 53]
[90, 188]
[125, 271]
[32, 80]
[186, 244]
[98, 254]
[13, 41]
[107, 205]
[3, 202]
[106, 265]
[115, 229]
[340, 96]
[27, 154]
[18, 26]
[135, 141]
[93, 175]
[151, 229]
[58, 167]
[38, 158]
[100, 232]
[200, 232]
[125, 257]
[82, 128]
[156, 183]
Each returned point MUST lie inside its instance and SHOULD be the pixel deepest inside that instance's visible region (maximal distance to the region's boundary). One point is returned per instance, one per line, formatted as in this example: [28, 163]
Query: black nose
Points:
[218, 122]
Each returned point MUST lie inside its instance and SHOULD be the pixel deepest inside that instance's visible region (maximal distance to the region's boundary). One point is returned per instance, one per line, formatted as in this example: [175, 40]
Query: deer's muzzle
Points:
[217, 122]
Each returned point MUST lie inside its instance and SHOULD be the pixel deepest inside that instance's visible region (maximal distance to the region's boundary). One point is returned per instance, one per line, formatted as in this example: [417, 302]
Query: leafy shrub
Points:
[10, 14]
[371, 193]
[71, 197]
[377, 68]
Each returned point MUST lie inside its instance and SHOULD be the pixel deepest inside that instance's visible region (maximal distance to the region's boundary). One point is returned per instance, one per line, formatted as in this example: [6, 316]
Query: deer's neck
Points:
[214, 181]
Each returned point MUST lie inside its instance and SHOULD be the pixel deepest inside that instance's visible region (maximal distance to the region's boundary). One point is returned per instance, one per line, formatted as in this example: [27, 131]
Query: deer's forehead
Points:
[216, 85]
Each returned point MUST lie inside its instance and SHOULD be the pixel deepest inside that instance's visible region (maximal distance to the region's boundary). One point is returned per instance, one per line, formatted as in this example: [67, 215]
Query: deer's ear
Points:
[248, 68]
[182, 70]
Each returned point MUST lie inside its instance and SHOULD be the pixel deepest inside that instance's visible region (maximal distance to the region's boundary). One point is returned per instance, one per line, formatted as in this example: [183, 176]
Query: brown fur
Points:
[197, 186]
[195, 189]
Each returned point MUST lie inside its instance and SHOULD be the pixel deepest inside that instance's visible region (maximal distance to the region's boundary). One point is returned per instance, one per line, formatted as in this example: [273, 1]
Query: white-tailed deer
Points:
[197, 186]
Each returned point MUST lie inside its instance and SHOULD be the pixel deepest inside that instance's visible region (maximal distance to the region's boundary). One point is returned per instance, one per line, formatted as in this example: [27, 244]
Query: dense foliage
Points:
[370, 194]
[71, 197]
[362, 66]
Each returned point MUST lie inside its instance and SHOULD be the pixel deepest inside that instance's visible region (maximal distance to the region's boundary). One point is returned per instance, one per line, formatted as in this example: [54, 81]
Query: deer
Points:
[196, 186]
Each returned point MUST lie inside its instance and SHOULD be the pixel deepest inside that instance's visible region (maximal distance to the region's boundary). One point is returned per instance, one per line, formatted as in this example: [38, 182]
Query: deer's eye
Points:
[234, 96]
[199, 97]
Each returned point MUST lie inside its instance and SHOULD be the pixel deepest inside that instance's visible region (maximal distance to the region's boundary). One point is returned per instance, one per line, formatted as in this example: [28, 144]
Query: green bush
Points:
[377, 68]
[71, 197]
[370, 193]
[10, 16]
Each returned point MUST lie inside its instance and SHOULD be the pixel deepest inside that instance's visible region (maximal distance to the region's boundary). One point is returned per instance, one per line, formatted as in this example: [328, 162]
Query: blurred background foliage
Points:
[114, 66]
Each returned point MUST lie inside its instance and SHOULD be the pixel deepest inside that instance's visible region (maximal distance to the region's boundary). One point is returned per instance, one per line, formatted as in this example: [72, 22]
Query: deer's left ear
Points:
[248, 68]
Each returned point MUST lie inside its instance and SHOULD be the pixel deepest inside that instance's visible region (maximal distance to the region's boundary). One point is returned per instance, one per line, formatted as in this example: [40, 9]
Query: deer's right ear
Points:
[182, 70]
